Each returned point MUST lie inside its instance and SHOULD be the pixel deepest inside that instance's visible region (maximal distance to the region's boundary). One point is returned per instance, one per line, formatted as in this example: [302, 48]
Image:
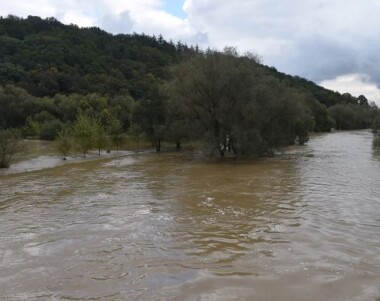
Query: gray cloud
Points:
[122, 23]
[315, 39]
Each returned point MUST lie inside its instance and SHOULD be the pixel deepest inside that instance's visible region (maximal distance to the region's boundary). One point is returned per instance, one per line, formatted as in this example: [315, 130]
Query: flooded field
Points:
[304, 225]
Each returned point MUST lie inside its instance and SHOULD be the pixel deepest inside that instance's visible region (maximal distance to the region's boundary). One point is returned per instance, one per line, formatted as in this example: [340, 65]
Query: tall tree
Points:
[149, 113]
[100, 136]
[84, 134]
[115, 130]
[240, 108]
[64, 142]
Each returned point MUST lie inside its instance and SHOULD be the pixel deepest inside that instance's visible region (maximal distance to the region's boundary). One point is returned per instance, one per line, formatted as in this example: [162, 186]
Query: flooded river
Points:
[304, 225]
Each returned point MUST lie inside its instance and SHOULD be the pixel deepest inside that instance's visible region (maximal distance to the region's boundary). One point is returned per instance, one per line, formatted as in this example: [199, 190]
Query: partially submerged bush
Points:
[10, 144]
[376, 142]
[64, 142]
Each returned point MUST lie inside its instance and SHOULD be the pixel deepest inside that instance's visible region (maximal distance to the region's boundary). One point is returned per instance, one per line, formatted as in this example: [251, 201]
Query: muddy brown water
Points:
[304, 225]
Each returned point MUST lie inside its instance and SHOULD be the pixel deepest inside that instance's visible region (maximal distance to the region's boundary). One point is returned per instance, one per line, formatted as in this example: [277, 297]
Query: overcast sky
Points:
[335, 43]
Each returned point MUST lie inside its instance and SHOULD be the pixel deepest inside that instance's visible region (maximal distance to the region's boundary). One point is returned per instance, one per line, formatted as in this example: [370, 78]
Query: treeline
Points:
[51, 74]
[46, 58]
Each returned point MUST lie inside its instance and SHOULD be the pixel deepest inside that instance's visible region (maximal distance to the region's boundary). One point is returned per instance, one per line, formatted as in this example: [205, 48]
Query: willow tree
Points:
[240, 108]
[213, 88]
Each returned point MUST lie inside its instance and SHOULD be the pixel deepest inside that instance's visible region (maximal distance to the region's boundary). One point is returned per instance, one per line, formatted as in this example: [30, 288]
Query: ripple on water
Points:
[152, 226]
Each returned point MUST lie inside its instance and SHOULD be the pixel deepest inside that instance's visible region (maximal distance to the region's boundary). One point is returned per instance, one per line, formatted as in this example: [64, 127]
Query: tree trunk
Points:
[178, 144]
[158, 144]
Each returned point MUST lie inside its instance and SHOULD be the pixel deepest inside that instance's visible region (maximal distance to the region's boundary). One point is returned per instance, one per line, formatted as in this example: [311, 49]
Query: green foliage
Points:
[68, 59]
[64, 142]
[350, 117]
[149, 116]
[376, 142]
[15, 106]
[10, 144]
[376, 124]
[84, 133]
[115, 131]
[240, 109]
[100, 136]
[53, 74]
[50, 129]
[302, 128]
[32, 128]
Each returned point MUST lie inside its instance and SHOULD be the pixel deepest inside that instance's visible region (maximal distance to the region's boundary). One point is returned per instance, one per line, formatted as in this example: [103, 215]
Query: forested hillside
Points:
[50, 74]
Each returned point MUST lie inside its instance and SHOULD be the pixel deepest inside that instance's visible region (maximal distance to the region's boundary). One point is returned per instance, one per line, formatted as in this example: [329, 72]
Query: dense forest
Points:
[54, 76]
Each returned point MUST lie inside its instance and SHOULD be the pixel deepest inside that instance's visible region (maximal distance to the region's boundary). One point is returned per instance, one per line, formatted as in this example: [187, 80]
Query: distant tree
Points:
[149, 114]
[121, 107]
[363, 101]
[376, 142]
[84, 134]
[10, 144]
[50, 129]
[32, 128]
[376, 124]
[303, 126]
[240, 108]
[228, 96]
[376, 131]
[350, 117]
[177, 123]
[100, 136]
[15, 106]
[64, 142]
[136, 133]
[115, 132]
[209, 89]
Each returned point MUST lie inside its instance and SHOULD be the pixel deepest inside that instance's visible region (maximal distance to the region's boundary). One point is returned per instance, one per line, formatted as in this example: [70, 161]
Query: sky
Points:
[334, 43]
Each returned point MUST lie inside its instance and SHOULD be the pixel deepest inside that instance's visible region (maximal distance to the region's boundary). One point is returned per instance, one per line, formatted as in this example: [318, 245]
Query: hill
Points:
[51, 72]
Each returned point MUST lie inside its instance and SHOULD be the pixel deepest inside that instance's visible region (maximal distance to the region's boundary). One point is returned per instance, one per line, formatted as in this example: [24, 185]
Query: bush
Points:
[376, 142]
[50, 129]
[9, 145]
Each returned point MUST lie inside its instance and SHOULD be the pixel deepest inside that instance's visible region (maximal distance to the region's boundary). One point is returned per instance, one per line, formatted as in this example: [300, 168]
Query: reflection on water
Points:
[302, 226]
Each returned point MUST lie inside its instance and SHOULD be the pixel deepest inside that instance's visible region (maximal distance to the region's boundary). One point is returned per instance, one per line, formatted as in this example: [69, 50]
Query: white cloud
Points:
[316, 39]
[304, 37]
[116, 16]
[43, 8]
[355, 84]
[74, 17]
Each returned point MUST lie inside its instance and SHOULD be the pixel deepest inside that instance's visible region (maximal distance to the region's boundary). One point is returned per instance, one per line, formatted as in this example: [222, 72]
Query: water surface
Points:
[304, 225]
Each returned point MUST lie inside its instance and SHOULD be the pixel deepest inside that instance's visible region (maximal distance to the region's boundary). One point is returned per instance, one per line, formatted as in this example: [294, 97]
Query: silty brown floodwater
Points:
[304, 225]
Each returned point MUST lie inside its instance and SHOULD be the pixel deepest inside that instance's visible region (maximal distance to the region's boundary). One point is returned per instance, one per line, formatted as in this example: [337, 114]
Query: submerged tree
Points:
[10, 144]
[100, 136]
[177, 123]
[376, 131]
[149, 116]
[211, 88]
[240, 109]
[115, 132]
[64, 142]
[83, 134]
[149, 112]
